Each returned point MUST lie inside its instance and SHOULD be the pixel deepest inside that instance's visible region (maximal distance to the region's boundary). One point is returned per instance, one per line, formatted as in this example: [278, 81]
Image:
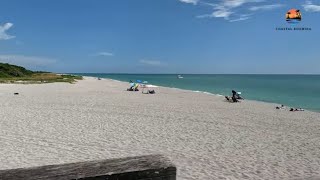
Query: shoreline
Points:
[213, 94]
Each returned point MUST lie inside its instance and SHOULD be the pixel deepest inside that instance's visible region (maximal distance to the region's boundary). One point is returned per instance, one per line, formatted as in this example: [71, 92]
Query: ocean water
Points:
[300, 91]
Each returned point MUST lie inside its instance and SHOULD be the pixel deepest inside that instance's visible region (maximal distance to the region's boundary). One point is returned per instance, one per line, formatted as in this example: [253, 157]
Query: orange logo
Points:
[293, 16]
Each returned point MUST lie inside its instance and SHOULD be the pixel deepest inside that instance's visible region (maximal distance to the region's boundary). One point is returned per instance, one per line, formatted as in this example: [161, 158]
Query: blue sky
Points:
[160, 36]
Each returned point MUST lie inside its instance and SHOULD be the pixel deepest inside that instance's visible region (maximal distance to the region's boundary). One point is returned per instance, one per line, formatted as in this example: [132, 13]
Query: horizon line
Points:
[191, 73]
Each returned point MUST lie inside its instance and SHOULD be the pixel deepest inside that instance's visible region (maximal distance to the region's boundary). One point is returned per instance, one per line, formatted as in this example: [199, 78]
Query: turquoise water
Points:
[291, 90]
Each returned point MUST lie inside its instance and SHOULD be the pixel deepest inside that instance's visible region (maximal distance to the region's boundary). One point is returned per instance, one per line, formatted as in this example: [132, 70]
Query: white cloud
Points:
[232, 10]
[238, 3]
[309, 6]
[152, 62]
[265, 7]
[226, 9]
[190, 1]
[241, 18]
[220, 11]
[3, 33]
[26, 61]
[103, 54]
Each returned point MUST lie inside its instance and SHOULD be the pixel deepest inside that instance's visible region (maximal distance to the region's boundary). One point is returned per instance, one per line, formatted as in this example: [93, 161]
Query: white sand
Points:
[206, 137]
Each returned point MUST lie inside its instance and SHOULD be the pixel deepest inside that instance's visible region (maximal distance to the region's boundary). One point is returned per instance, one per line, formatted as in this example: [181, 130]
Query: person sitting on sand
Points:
[281, 107]
[296, 109]
[231, 99]
[234, 99]
[236, 95]
[149, 92]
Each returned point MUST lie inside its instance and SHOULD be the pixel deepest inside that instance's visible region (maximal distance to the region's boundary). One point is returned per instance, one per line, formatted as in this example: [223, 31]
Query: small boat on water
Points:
[179, 77]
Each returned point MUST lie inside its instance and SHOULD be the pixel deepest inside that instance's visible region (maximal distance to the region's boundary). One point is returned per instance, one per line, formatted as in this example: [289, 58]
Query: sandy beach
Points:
[204, 136]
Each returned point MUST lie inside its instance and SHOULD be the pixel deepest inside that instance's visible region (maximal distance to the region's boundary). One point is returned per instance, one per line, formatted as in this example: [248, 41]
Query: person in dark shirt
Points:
[236, 95]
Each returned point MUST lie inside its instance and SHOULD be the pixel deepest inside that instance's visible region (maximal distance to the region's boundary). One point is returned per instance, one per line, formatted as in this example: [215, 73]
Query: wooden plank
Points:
[132, 168]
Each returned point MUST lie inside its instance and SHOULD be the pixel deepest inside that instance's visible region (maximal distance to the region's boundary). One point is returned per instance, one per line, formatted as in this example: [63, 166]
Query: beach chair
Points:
[134, 87]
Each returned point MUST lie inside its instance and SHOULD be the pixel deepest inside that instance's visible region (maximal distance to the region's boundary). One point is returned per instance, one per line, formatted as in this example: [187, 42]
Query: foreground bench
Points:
[151, 167]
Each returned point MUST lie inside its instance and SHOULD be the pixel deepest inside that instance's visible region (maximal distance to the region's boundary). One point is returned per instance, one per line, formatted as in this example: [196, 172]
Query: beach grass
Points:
[16, 74]
[38, 78]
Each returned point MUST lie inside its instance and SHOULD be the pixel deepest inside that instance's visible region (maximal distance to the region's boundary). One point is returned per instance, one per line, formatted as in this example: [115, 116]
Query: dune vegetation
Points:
[17, 74]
